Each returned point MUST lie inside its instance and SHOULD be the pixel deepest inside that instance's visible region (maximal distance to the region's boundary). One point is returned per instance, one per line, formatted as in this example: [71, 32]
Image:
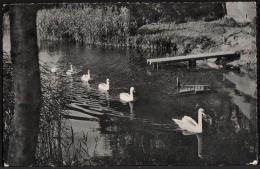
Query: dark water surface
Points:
[142, 133]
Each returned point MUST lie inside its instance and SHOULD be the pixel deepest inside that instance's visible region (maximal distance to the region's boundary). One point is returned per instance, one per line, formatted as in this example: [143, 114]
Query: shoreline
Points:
[164, 39]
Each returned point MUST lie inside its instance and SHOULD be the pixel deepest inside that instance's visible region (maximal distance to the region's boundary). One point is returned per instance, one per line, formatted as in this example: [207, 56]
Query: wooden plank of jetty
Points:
[193, 57]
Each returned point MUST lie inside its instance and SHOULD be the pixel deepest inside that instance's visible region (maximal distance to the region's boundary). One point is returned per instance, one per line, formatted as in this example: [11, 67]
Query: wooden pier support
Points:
[192, 64]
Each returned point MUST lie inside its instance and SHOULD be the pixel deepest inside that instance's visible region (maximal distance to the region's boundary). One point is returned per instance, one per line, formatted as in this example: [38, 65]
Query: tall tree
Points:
[24, 53]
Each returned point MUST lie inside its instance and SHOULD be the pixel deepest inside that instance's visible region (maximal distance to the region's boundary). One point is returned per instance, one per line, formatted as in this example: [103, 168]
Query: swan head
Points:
[107, 81]
[206, 117]
[88, 71]
[202, 111]
[132, 89]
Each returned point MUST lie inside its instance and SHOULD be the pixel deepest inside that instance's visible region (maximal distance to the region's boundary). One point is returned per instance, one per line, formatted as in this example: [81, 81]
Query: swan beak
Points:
[208, 119]
[204, 115]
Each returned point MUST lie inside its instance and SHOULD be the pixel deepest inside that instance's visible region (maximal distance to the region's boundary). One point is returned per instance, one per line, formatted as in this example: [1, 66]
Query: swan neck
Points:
[200, 119]
[107, 84]
[131, 93]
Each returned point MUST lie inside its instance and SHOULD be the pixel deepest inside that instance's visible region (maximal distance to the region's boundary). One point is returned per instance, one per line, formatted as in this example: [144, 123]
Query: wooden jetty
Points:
[192, 58]
[191, 89]
[194, 89]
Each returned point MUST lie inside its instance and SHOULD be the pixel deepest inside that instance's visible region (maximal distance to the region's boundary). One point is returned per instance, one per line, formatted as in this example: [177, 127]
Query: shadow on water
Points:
[141, 132]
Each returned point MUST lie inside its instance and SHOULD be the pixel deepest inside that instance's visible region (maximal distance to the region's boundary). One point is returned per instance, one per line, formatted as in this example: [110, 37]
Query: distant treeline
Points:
[117, 24]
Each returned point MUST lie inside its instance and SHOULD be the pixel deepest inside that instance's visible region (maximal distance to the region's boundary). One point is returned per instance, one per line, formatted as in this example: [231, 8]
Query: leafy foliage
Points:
[8, 100]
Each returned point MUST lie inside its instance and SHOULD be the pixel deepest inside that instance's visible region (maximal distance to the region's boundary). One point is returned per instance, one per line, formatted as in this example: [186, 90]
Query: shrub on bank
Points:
[8, 101]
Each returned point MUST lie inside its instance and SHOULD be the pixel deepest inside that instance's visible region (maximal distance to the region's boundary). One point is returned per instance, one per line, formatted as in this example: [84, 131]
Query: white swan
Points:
[104, 86]
[255, 162]
[54, 69]
[127, 97]
[86, 77]
[190, 125]
[70, 71]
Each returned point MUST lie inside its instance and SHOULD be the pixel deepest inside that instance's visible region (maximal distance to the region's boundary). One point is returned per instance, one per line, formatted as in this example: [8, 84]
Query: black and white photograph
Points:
[129, 84]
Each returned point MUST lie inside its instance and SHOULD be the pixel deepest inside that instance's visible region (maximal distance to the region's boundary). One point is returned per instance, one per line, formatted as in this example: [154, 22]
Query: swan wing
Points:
[124, 95]
[190, 120]
[87, 77]
[102, 85]
[191, 125]
[179, 123]
[185, 125]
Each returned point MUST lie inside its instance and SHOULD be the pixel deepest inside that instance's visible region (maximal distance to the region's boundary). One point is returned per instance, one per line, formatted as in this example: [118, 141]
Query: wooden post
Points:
[24, 51]
[192, 63]
[178, 84]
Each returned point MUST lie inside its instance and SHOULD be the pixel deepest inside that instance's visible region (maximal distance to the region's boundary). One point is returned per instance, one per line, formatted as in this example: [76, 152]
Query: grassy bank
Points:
[201, 37]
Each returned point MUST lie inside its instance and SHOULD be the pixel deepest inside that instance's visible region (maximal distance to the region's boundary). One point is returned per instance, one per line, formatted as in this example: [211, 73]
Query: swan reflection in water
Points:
[132, 114]
[200, 142]
[131, 108]
[189, 126]
[70, 82]
[87, 86]
[104, 95]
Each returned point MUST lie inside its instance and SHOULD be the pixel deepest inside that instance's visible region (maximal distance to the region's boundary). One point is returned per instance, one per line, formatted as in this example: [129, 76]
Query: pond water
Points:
[142, 132]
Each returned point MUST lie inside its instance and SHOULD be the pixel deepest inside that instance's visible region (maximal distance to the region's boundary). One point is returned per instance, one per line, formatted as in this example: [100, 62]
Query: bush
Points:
[8, 100]
[229, 21]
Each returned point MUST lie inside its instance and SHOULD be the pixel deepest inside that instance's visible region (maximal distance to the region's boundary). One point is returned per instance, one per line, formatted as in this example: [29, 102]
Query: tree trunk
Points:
[24, 51]
[1, 94]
